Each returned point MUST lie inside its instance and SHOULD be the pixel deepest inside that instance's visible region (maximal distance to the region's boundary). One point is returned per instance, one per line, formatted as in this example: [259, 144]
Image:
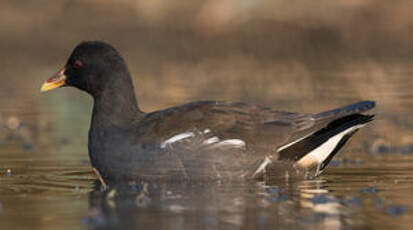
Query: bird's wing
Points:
[239, 124]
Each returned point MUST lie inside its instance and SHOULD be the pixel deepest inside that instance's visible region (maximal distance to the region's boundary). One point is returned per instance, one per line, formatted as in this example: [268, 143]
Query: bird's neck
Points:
[116, 106]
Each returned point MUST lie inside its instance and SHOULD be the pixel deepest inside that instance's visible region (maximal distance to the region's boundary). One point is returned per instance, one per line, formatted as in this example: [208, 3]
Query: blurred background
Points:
[302, 56]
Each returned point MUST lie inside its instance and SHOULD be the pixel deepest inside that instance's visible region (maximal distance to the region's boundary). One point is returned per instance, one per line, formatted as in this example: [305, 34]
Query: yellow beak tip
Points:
[49, 86]
[43, 88]
[53, 83]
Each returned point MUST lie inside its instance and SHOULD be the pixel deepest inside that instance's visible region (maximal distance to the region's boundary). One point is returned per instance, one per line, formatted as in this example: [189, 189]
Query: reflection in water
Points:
[284, 204]
[185, 206]
[313, 197]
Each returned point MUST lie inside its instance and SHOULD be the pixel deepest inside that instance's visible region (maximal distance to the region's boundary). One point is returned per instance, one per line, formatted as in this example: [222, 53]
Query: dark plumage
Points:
[199, 140]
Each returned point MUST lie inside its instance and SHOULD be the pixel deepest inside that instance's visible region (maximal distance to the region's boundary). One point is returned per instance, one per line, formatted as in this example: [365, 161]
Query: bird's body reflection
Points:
[282, 203]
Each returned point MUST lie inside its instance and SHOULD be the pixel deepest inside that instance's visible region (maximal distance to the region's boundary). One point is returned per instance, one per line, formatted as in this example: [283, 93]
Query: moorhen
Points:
[198, 140]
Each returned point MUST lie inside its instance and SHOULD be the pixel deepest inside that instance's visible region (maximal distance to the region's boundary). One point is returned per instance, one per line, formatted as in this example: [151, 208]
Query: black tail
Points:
[318, 148]
[358, 107]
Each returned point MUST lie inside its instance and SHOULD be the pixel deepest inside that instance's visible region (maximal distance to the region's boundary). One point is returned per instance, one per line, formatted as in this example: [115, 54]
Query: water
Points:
[351, 196]
[45, 176]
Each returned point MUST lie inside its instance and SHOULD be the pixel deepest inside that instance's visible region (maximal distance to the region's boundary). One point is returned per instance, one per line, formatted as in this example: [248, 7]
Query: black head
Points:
[93, 66]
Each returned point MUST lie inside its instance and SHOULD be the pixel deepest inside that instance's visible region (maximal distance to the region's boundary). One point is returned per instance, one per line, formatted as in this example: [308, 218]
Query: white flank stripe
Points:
[176, 138]
[231, 142]
[211, 140]
[318, 155]
[292, 143]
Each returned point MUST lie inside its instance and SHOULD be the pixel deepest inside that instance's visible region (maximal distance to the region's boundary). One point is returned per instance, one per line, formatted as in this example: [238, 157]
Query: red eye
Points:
[77, 64]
